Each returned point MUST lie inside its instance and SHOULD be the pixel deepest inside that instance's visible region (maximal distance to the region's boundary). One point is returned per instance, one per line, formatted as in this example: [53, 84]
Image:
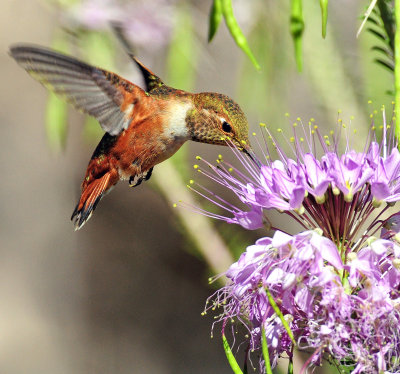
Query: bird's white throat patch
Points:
[177, 121]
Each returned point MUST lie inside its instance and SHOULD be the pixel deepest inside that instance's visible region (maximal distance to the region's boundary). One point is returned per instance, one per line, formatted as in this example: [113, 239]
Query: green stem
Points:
[397, 67]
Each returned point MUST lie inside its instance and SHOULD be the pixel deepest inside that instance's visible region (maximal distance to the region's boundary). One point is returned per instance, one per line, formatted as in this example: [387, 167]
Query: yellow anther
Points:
[315, 127]
[312, 119]
[292, 139]
[339, 111]
[262, 124]
[244, 142]
[351, 117]
[191, 181]
[286, 114]
[371, 116]
[174, 205]
[230, 170]
[298, 119]
[195, 166]
[302, 139]
[396, 263]
[369, 101]
[352, 256]
[375, 111]
[220, 157]
[294, 124]
[279, 130]
[254, 134]
[198, 158]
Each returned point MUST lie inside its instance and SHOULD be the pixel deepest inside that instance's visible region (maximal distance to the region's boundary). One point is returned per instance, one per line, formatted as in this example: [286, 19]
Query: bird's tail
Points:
[92, 193]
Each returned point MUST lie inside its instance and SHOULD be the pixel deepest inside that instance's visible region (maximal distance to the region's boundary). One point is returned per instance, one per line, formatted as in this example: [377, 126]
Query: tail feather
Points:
[92, 193]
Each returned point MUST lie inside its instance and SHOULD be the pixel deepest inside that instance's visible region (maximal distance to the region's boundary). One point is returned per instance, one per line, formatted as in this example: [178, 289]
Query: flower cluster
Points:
[337, 284]
[335, 193]
[348, 310]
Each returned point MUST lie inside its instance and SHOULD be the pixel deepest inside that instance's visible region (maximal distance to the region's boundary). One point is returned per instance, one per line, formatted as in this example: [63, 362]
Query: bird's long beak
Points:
[249, 152]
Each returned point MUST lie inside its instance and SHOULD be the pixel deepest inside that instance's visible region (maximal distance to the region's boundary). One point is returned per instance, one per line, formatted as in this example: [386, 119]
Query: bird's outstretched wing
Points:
[95, 91]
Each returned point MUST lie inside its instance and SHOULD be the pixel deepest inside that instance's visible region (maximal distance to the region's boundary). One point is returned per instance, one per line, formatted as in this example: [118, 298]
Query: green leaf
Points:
[57, 109]
[385, 51]
[214, 19]
[56, 122]
[92, 131]
[378, 34]
[231, 358]
[366, 15]
[386, 64]
[181, 71]
[182, 54]
[324, 15]
[386, 11]
[280, 315]
[99, 49]
[236, 32]
[296, 29]
[265, 352]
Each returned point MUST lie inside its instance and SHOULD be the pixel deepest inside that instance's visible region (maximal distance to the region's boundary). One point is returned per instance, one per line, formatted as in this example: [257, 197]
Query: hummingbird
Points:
[143, 127]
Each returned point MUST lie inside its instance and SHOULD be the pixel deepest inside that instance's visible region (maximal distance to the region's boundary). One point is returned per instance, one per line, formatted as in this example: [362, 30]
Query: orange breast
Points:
[141, 146]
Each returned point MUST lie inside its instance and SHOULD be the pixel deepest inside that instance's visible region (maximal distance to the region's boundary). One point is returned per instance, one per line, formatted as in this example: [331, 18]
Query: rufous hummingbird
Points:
[143, 127]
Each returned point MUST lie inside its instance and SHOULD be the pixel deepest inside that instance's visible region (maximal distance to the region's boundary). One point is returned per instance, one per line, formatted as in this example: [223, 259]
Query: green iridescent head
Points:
[216, 118]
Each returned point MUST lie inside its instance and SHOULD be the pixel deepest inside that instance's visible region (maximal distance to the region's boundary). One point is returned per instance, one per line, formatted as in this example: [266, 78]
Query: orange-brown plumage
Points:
[143, 128]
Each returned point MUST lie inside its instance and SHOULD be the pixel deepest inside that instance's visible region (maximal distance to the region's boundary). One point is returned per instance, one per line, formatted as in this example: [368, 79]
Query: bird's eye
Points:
[226, 127]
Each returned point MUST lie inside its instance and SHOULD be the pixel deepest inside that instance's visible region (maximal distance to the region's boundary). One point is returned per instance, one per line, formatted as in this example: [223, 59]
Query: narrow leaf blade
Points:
[296, 29]
[324, 15]
[214, 19]
[236, 32]
[265, 352]
[231, 358]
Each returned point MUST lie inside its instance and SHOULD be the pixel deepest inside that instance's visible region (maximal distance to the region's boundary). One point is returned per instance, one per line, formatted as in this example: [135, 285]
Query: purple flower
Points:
[335, 192]
[349, 311]
[336, 284]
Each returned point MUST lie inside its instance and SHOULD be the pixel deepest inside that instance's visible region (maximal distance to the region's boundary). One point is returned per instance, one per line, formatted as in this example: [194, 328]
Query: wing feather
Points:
[95, 91]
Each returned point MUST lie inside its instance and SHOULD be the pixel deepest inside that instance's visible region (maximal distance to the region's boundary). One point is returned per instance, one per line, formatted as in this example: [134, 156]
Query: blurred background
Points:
[125, 293]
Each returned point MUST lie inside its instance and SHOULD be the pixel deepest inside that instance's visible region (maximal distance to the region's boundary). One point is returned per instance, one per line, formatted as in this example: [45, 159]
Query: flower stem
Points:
[264, 347]
[397, 67]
